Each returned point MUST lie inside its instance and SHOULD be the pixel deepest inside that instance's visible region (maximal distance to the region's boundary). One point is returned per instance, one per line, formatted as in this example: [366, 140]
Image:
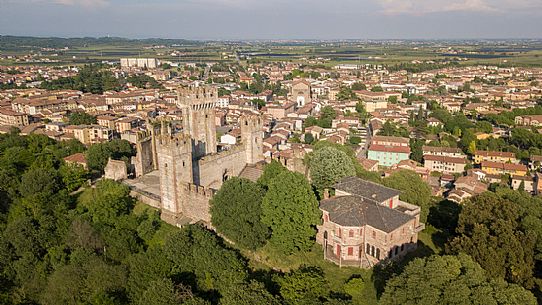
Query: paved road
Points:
[362, 151]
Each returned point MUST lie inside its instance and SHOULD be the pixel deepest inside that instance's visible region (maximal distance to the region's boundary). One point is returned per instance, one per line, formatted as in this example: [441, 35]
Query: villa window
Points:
[373, 251]
[351, 233]
[350, 251]
[368, 250]
[402, 247]
[374, 234]
[377, 253]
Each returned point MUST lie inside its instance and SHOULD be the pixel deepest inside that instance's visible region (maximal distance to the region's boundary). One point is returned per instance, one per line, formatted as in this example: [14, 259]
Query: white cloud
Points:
[422, 7]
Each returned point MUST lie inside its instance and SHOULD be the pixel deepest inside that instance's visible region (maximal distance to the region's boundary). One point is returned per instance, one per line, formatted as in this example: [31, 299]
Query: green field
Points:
[389, 53]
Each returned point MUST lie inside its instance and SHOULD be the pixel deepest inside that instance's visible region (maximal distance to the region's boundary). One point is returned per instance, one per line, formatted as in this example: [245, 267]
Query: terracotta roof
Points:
[76, 158]
[388, 148]
[441, 149]
[390, 139]
[504, 154]
[445, 159]
[504, 166]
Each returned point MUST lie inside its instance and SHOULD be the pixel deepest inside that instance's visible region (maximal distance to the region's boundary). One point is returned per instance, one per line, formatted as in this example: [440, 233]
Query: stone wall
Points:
[214, 169]
[116, 170]
[144, 159]
[195, 202]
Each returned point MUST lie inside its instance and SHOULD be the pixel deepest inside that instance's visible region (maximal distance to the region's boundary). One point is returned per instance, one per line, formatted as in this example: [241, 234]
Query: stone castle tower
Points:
[189, 165]
[175, 165]
[198, 108]
[252, 137]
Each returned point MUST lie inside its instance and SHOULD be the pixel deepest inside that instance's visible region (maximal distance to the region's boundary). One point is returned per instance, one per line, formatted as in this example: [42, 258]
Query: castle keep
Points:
[187, 164]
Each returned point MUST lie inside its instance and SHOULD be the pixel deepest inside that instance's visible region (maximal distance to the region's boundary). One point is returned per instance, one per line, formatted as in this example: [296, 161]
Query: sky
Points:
[274, 19]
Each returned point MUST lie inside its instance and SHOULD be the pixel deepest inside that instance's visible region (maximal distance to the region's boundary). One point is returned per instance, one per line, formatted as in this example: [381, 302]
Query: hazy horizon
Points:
[274, 19]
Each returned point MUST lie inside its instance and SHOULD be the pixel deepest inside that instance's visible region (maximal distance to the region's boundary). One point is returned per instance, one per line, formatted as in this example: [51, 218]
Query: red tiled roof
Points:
[387, 148]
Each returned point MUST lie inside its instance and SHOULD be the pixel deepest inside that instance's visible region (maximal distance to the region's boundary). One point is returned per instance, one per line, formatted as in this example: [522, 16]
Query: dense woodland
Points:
[65, 242]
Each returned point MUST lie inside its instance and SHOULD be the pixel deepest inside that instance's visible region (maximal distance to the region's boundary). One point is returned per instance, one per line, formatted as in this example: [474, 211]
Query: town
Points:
[375, 163]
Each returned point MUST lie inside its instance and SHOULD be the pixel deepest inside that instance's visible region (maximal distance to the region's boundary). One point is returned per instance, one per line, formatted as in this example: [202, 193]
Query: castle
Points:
[187, 163]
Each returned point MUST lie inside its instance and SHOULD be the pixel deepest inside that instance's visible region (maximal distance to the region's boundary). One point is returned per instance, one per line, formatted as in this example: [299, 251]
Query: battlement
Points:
[219, 155]
[177, 140]
[197, 190]
[143, 134]
[197, 98]
[251, 121]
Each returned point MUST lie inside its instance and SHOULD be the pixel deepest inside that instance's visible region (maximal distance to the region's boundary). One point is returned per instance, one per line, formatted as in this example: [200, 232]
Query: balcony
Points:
[330, 255]
[419, 228]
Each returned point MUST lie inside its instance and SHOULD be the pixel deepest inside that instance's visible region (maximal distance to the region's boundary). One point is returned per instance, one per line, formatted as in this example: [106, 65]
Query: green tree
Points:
[329, 165]
[358, 86]
[81, 118]
[270, 172]
[39, 181]
[98, 154]
[451, 280]
[252, 293]
[490, 230]
[308, 138]
[413, 190]
[196, 250]
[306, 285]
[107, 201]
[236, 211]
[73, 176]
[290, 209]
[259, 103]
[354, 287]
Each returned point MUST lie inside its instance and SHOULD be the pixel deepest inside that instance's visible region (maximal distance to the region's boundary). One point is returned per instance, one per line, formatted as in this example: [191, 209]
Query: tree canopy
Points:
[290, 194]
[236, 210]
[502, 232]
[413, 189]
[329, 165]
[451, 280]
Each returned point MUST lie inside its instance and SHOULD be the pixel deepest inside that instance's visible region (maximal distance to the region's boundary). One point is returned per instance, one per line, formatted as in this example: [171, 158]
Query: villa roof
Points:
[366, 189]
[355, 211]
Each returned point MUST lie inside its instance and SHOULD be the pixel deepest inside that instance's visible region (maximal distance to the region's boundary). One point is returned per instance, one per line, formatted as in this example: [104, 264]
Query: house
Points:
[124, 124]
[388, 151]
[315, 131]
[77, 159]
[443, 151]
[366, 223]
[444, 164]
[466, 187]
[9, 117]
[535, 162]
[500, 168]
[232, 137]
[368, 165]
[495, 156]
[529, 120]
[527, 182]
[280, 111]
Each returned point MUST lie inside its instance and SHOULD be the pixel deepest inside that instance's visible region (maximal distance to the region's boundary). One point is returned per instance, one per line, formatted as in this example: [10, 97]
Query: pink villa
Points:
[366, 223]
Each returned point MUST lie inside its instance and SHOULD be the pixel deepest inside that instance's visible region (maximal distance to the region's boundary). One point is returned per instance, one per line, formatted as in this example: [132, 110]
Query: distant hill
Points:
[20, 42]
